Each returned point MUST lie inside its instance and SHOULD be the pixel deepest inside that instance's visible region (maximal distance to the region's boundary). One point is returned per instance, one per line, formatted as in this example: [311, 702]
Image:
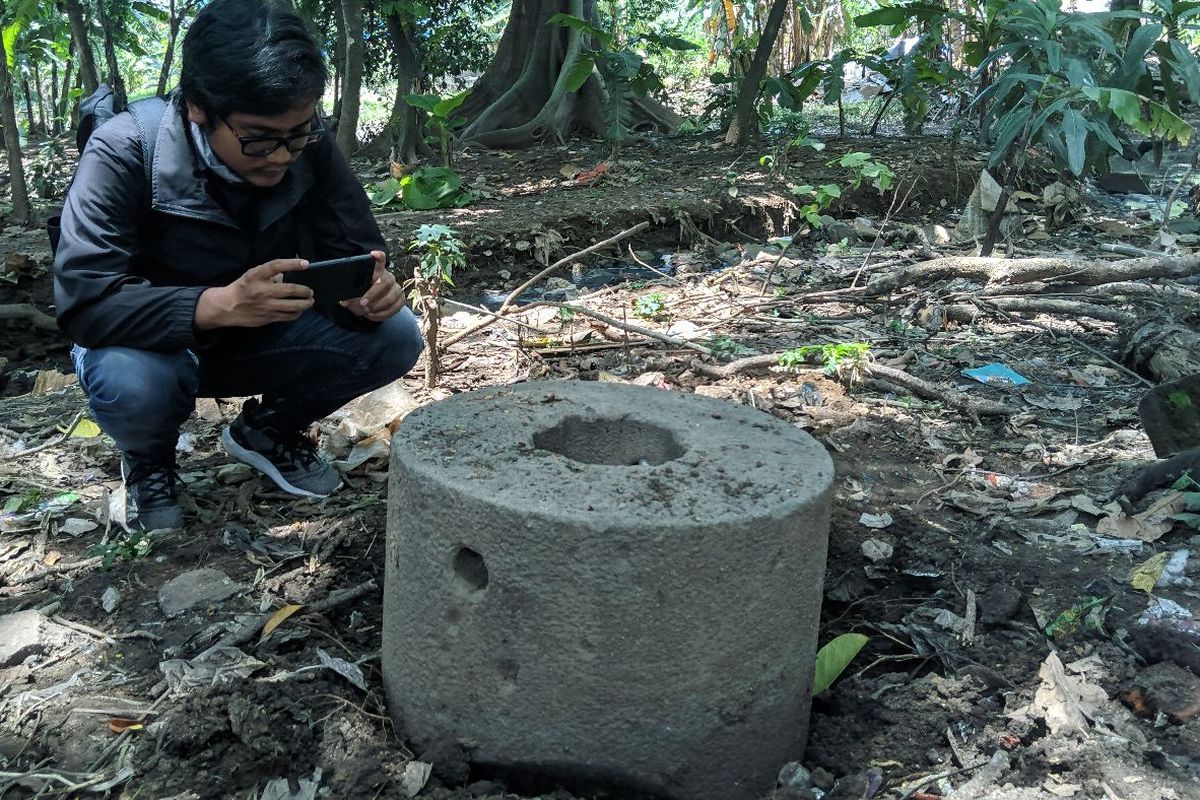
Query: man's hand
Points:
[258, 298]
[383, 299]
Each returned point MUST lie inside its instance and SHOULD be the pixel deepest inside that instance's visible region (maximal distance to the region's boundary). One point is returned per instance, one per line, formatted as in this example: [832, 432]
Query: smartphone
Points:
[337, 279]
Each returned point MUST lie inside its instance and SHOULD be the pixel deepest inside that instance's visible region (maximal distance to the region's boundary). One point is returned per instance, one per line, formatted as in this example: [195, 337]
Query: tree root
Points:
[26, 313]
[1003, 271]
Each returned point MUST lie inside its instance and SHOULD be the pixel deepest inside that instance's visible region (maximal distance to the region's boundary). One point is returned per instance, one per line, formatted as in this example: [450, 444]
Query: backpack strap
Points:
[148, 115]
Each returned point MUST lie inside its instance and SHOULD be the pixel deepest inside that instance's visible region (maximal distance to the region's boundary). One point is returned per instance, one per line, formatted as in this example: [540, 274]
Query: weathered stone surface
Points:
[606, 584]
[200, 587]
[24, 634]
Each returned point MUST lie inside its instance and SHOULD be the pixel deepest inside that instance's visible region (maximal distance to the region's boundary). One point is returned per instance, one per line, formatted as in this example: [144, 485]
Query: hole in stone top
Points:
[622, 442]
[470, 569]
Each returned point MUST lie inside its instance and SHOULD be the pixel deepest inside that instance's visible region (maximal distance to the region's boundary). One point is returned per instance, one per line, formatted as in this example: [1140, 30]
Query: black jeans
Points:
[304, 370]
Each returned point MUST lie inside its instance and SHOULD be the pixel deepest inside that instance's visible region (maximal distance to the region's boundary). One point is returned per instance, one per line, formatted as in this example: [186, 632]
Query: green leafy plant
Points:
[728, 347]
[864, 167]
[1191, 498]
[422, 190]
[440, 254]
[651, 306]
[836, 358]
[441, 117]
[126, 547]
[834, 657]
[819, 199]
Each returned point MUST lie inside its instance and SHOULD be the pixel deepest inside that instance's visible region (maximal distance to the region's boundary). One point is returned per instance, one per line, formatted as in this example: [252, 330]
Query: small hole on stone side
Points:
[619, 442]
[471, 571]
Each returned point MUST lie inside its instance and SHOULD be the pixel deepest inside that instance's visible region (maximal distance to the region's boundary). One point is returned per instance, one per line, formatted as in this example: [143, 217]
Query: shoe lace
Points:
[293, 448]
[155, 483]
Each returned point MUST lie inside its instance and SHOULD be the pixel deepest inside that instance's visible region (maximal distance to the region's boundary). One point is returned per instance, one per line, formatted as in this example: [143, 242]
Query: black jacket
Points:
[130, 268]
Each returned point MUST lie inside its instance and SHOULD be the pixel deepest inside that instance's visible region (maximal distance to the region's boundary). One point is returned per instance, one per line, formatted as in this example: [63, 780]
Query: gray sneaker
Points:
[151, 495]
[286, 457]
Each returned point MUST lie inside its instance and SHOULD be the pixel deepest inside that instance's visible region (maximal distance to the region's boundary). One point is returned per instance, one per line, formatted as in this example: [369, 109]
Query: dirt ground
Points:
[1010, 656]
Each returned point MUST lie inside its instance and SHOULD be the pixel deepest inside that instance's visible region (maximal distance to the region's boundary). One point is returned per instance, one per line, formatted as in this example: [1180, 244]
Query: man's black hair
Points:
[250, 56]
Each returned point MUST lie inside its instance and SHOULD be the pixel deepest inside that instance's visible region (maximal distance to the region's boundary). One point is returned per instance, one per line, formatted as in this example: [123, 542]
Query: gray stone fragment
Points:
[200, 587]
[234, 473]
[23, 634]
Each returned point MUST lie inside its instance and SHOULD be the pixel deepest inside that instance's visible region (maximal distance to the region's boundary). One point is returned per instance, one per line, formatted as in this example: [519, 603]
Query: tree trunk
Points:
[55, 121]
[31, 121]
[339, 64]
[402, 135]
[12, 143]
[169, 56]
[522, 96]
[347, 131]
[110, 57]
[62, 109]
[41, 100]
[83, 46]
[752, 84]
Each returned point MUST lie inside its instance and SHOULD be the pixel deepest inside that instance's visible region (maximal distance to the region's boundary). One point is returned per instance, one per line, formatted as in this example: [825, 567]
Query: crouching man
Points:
[169, 271]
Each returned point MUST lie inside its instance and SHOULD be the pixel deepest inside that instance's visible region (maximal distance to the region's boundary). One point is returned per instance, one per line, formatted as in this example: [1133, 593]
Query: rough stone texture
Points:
[646, 626]
[200, 587]
[23, 634]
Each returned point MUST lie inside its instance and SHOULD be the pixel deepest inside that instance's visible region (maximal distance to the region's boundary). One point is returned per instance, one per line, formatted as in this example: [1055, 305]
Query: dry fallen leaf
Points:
[1066, 703]
[277, 619]
[52, 558]
[1149, 525]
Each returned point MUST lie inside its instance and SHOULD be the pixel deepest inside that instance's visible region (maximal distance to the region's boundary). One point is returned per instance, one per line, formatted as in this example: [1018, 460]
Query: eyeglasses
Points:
[262, 146]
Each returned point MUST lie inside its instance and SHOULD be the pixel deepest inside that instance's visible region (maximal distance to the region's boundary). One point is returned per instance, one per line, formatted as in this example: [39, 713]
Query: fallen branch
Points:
[969, 312]
[515, 293]
[53, 442]
[562, 262]
[629, 327]
[23, 312]
[1051, 270]
[246, 631]
[55, 570]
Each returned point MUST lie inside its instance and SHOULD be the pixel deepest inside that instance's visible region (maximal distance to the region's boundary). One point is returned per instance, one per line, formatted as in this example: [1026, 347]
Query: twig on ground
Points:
[550, 270]
[950, 773]
[53, 442]
[634, 256]
[54, 570]
[892, 207]
[629, 327]
[244, 632]
[1115, 364]
[513, 295]
[489, 313]
[1126, 249]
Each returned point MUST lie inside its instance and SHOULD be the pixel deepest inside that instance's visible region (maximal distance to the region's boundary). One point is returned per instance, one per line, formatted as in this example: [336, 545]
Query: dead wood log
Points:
[919, 387]
[1003, 271]
[1167, 351]
[23, 312]
[969, 312]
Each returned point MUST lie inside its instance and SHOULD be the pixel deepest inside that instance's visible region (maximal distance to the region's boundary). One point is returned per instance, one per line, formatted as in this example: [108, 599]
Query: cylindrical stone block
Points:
[606, 585]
